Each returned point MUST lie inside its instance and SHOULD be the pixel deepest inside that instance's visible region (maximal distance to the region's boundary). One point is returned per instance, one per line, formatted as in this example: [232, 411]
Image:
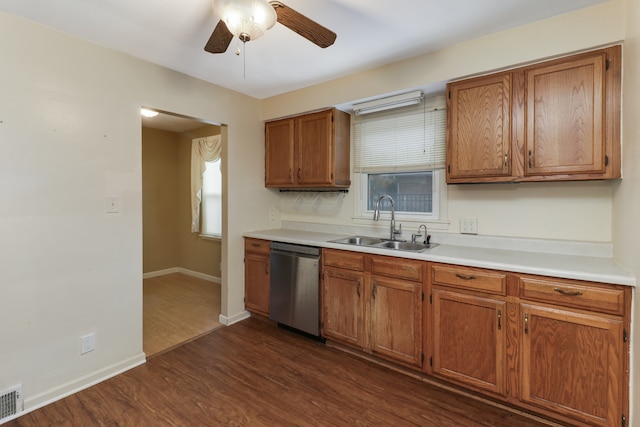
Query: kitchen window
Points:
[402, 153]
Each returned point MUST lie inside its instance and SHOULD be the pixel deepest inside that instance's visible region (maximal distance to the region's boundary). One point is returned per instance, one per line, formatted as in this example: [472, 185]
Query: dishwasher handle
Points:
[299, 250]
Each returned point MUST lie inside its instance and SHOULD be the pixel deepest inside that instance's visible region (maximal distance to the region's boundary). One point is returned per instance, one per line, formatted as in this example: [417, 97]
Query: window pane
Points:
[411, 191]
[212, 199]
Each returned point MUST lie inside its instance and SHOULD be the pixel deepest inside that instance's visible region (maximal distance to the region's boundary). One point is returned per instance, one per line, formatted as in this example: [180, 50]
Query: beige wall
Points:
[166, 205]
[160, 247]
[71, 137]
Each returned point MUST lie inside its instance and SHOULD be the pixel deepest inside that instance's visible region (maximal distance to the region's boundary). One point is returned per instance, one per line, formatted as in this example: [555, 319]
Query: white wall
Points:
[70, 135]
[568, 211]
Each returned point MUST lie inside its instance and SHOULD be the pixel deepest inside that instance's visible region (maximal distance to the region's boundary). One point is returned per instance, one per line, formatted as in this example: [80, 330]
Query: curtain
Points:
[206, 149]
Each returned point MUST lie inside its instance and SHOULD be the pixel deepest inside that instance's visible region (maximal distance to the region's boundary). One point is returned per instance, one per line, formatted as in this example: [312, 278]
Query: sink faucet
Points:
[376, 215]
[414, 236]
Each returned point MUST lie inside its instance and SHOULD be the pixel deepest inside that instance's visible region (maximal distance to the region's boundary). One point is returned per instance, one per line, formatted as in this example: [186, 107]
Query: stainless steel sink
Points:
[359, 240]
[405, 246]
[376, 242]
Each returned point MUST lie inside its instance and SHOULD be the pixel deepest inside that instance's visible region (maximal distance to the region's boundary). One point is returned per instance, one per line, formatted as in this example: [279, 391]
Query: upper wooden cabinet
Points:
[555, 120]
[308, 151]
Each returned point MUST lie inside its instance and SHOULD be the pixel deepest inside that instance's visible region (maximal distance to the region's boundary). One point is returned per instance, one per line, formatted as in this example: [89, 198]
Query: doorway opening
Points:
[181, 268]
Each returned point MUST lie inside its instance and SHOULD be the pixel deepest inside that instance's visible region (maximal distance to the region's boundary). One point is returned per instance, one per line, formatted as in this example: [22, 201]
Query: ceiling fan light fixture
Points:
[246, 19]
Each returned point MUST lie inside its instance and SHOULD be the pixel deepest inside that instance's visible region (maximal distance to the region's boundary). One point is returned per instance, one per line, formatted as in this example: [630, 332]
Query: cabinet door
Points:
[279, 159]
[314, 149]
[396, 320]
[565, 117]
[572, 363]
[256, 283]
[479, 134]
[469, 340]
[343, 306]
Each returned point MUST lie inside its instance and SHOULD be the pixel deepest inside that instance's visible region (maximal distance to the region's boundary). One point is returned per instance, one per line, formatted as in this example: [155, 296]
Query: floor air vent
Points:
[10, 402]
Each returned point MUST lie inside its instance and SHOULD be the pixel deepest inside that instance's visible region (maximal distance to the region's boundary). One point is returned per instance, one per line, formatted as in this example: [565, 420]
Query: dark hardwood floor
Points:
[253, 374]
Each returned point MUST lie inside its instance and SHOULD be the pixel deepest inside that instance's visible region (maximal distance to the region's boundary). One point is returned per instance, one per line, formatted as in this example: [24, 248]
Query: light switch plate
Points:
[113, 204]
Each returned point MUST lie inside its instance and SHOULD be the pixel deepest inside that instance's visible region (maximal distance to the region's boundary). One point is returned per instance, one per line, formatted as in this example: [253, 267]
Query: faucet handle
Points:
[414, 237]
[398, 231]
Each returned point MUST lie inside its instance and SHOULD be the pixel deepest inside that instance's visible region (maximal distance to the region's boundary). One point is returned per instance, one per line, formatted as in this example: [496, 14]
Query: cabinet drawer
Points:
[397, 267]
[576, 294]
[470, 278]
[343, 259]
[257, 245]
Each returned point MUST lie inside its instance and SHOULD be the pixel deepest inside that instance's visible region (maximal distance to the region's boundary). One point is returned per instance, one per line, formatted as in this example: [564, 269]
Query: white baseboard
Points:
[45, 398]
[230, 320]
[197, 274]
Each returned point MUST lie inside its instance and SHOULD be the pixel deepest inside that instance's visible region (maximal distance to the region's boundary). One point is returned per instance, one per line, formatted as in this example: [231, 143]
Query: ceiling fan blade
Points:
[304, 26]
[220, 39]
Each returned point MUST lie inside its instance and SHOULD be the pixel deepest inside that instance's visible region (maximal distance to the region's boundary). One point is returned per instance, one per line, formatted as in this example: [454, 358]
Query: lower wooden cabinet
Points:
[396, 320]
[256, 276]
[380, 314]
[572, 363]
[469, 340]
[343, 306]
[553, 346]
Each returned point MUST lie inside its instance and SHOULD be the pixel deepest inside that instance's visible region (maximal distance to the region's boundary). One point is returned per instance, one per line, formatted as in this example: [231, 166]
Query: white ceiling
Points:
[172, 33]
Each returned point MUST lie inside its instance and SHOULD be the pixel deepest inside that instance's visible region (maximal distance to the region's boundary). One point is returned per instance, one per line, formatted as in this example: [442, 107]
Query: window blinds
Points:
[406, 139]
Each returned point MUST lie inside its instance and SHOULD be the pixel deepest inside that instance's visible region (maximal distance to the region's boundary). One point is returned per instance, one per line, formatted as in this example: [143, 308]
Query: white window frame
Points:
[437, 219]
[204, 199]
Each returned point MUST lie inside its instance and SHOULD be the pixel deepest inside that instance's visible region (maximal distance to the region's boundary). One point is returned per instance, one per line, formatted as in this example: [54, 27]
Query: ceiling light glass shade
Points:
[246, 19]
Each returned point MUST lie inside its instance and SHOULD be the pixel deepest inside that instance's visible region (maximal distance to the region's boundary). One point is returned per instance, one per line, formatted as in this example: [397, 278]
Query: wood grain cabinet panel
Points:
[279, 146]
[381, 314]
[308, 151]
[572, 364]
[565, 117]
[469, 340]
[555, 120]
[396, 320]
[479, 127]
[257, 276]
[343, 306]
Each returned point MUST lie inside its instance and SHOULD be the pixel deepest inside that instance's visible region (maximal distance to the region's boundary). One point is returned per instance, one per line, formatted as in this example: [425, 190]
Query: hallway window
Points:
[212, 200]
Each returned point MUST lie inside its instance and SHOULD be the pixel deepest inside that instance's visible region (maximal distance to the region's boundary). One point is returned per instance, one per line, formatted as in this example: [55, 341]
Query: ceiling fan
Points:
[248, 19]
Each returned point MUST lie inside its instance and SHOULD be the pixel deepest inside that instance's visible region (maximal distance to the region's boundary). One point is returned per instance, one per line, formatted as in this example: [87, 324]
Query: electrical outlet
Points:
[469, 225]
[87, 343]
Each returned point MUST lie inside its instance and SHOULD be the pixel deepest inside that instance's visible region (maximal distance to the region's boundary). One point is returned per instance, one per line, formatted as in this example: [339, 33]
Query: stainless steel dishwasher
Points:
[295, 293]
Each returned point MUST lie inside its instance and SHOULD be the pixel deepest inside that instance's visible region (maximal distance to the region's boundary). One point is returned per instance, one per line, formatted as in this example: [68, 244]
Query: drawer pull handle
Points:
[465, 276]
[256, 245]
[374, 291]
[526, 323]
[358, 290]
[499, 319]
[569, 293]
[530, 159]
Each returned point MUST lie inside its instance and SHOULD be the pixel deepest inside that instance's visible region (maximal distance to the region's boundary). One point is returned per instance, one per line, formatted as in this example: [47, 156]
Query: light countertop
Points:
[579, 267]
